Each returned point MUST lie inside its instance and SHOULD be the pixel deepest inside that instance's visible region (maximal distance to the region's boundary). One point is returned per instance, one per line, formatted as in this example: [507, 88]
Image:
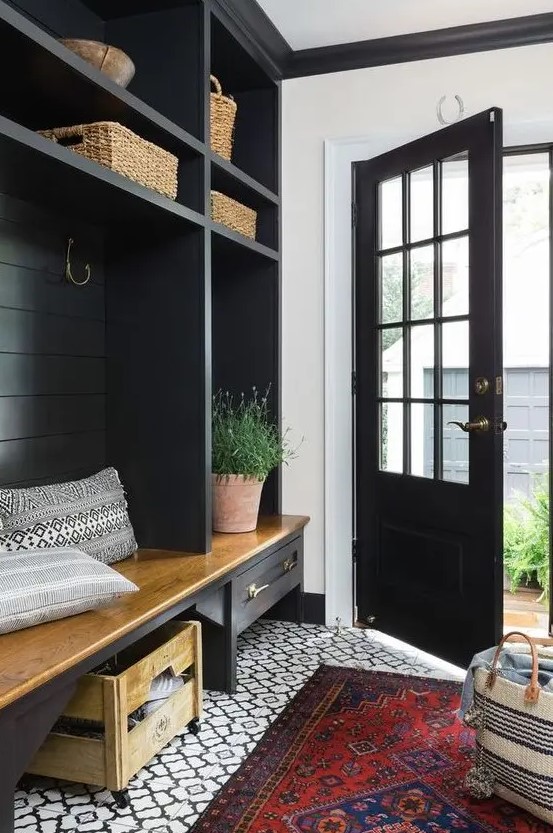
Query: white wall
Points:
[390, 105]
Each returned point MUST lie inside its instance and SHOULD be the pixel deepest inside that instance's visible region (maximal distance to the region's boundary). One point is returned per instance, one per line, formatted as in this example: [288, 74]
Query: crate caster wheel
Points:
[122, 799]
[194, 726]
[24, 784]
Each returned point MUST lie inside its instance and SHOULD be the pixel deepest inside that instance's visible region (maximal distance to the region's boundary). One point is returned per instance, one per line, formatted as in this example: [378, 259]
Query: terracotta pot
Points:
[235, 502]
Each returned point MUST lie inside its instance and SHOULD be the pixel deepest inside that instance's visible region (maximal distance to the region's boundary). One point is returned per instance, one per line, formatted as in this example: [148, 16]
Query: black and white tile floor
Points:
[275, 659]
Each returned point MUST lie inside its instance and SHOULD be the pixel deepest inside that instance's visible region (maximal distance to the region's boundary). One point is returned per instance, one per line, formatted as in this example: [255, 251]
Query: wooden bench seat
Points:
[40, 666]
[34, 656]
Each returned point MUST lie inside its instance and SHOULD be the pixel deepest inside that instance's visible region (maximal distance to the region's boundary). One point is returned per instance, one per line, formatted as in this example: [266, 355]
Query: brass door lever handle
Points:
[481, 423]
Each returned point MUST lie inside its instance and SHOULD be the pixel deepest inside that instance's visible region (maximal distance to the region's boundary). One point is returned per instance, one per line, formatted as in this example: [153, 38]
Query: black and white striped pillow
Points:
[39, 586]
[89, 514]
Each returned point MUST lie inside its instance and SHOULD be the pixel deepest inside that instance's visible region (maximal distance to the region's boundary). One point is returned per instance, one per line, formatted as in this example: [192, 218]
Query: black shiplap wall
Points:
[52, 349]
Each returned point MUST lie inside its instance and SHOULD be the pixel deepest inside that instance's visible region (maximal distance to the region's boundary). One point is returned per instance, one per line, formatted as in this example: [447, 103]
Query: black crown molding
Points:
[439, 43]
[249, 20]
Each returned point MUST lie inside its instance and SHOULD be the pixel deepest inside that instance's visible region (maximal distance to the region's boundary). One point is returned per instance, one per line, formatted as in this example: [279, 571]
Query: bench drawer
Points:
[268, 581]
[113, 752]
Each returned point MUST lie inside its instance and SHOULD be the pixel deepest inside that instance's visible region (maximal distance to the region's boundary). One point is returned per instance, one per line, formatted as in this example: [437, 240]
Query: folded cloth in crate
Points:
[515, 664]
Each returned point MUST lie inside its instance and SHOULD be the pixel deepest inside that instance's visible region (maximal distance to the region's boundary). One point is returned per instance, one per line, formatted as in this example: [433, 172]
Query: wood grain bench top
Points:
[34, 656]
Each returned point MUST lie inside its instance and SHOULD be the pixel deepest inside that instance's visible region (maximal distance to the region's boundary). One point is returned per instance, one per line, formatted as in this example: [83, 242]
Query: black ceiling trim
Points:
[247, 19]
[249, 22]
[439, 43]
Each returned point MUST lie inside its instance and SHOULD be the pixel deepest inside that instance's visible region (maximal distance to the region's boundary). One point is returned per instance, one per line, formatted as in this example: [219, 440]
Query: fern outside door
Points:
[429, 406]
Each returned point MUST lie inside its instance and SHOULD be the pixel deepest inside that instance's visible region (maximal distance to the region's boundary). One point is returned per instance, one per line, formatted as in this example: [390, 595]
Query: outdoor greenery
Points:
[526, 540]
[245, 439]
[392, 297]
[525, 207]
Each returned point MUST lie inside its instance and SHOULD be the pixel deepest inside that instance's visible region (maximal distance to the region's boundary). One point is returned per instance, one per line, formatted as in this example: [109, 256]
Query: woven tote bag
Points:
[514, 737]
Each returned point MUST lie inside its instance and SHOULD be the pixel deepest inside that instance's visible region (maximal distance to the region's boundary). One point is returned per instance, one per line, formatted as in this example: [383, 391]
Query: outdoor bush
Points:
[526, 540]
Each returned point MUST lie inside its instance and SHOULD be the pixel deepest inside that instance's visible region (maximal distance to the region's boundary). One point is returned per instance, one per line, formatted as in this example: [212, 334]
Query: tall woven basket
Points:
[223, 116]
[514, 738]
[119, 149]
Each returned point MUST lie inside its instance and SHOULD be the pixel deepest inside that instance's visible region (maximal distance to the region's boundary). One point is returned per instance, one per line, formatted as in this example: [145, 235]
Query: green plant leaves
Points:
[245, 440]
[526, 540]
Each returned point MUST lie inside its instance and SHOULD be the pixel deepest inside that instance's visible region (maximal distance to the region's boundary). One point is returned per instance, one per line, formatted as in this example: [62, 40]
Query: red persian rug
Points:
[362, 752]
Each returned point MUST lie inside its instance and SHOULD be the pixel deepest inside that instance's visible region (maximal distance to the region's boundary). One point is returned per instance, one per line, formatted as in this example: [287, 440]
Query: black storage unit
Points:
[121, 371]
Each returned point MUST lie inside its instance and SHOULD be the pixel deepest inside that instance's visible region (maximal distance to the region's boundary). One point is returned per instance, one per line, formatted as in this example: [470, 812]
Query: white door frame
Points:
[338, 345]
[338, 336]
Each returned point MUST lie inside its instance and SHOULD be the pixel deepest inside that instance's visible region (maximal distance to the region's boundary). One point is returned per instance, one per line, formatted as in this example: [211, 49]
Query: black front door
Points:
[429, 408]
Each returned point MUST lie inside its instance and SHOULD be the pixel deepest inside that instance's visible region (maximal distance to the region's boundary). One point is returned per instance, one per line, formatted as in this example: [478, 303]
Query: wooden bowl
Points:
[109, 59]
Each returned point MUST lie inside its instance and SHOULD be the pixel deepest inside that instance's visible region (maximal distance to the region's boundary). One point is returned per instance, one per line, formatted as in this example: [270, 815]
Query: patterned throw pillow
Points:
[90, 514]
[41, 585]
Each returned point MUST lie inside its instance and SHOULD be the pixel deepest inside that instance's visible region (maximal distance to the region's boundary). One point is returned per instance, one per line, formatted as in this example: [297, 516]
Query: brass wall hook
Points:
[68, 272]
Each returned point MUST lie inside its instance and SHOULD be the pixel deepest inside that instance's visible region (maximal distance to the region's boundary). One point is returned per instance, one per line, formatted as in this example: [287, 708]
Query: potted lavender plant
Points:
[247, 446]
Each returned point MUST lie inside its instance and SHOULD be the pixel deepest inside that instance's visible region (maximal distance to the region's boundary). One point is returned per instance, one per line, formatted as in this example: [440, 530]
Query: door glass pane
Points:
[455, 444]
[455, 277]
[455, 356]
[391, 437]
[422, 361]
[422, 440]
[455, 194]
[422, 282]
[391, 363]
[391, 288]
[391, 213]
[422, 204]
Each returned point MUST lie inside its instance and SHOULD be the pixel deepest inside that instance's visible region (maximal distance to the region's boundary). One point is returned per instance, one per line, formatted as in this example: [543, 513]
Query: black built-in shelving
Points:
[187, 306]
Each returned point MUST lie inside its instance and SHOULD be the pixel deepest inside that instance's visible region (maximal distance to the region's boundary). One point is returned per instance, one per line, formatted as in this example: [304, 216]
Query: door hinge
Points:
[354, 550]
[353, 383]
[354, 212]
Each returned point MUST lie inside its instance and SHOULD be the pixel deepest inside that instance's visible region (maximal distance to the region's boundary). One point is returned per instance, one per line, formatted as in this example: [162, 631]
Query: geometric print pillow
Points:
[89, 514]
[41, 585]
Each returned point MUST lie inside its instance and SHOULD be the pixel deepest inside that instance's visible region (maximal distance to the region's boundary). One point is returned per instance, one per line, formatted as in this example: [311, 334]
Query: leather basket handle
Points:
[532, 692]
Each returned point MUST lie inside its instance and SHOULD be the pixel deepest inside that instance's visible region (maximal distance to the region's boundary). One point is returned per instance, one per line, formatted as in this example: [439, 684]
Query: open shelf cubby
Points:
[121, 371]
[256, 145]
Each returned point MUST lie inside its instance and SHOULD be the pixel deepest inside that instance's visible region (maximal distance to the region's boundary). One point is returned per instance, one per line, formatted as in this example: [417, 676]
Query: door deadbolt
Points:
[481, 386]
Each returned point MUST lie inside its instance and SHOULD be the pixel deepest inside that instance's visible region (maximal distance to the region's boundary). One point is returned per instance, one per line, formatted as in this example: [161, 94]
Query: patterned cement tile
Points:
[274, 661]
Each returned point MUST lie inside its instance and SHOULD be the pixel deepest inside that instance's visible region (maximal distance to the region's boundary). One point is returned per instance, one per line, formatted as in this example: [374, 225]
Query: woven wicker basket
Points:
[223, 116]
[118, 148]
[233, 214]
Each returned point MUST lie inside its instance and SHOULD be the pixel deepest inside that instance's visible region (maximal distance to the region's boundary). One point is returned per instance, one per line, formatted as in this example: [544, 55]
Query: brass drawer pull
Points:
[253, 591]
[289, 565]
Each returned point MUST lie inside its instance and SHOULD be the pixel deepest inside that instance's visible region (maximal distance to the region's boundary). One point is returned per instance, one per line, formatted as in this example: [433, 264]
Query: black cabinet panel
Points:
[50, 415]
[158, 387]
[52, 348]
[33, 332]
[50, 457]
[24, 375]
[178, 34]
[120, 371]
[62, 18]
[29, 289]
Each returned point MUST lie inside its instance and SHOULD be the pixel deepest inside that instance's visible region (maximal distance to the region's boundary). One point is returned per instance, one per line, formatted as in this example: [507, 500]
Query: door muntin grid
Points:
[423, 319]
